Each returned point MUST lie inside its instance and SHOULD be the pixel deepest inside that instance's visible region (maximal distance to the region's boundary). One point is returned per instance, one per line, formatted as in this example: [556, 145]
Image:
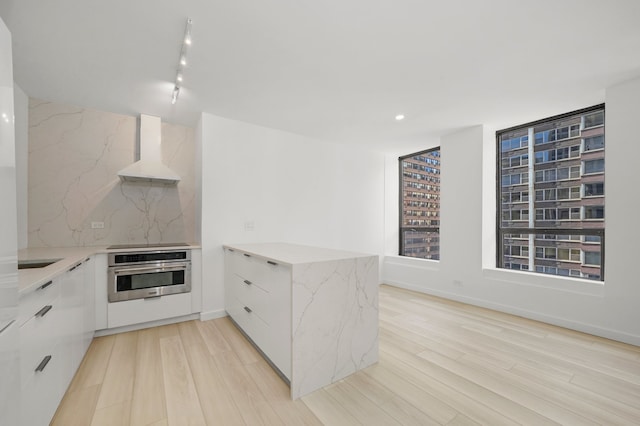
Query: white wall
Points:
[21, 112]
[467, 241]
[291, 188]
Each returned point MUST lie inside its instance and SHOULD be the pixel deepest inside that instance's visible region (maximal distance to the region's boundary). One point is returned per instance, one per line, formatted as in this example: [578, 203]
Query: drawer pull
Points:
[45, 285]
[7, 326]
[43, 363]
[272, 263]
[246, 308]
[42, 312]
[72, 268]
[248, 255]
[247, 282]
[231, 250]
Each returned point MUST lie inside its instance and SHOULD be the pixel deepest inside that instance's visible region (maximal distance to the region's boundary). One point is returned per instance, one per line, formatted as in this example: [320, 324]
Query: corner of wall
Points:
[488, 197]
[21, 114]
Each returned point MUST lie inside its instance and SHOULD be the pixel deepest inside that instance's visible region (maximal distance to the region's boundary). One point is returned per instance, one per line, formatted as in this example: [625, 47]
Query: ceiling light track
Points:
[182, 61]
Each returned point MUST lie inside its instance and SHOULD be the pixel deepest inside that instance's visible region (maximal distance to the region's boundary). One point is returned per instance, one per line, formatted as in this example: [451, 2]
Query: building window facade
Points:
[560, 228]
[420, 204]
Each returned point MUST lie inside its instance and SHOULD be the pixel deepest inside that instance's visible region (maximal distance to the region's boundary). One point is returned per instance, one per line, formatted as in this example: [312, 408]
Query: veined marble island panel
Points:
[333, 310]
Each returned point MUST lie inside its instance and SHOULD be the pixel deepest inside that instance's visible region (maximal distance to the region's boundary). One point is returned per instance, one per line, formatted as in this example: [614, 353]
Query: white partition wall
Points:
[267, 185]
[9, 383]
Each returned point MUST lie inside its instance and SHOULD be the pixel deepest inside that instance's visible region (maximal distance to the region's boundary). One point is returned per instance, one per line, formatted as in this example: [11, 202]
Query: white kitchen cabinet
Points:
[312, 312]
[196, 280]
[41, 332]
[139, 311]
[43, 390]
[89, 304]
[100, 264]
[72, 292]
[56, 321]
[41, 364]
[9, 373]
[258, 298]
[146, 312]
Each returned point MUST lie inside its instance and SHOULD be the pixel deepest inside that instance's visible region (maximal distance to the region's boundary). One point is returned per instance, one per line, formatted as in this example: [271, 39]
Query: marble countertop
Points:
[292, 254]
[69, 257]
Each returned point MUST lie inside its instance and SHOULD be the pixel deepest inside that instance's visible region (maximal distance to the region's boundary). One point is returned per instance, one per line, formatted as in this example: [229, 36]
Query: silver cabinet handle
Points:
[45, 285]
[247, 282]
[42, 312]
[247, 309]
[43, 363]
[7, 326]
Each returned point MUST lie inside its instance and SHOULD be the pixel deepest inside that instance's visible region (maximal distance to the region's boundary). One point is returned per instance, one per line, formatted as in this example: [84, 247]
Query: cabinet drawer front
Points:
[268, 275]
[33, 301]
[247, 319]
[38, 337]
[251, 296]
[43, 391]
[275, 342]
[144, 310]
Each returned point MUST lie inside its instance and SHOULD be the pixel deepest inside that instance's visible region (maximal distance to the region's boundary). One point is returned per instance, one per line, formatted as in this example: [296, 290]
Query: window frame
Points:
[402, 228]
[501, 232]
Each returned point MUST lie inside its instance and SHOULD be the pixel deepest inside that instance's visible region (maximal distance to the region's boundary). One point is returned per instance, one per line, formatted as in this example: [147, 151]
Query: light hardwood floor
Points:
[441, 362]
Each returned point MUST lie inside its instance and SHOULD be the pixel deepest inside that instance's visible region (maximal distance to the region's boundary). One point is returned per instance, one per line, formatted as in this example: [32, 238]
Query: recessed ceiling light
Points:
[400, 117]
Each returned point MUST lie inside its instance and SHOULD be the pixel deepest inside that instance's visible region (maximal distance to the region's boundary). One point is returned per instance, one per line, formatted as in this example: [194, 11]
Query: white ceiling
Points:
[333, 69]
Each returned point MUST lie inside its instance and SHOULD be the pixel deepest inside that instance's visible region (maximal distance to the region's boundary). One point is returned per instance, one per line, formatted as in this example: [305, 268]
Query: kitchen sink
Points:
[36, 263]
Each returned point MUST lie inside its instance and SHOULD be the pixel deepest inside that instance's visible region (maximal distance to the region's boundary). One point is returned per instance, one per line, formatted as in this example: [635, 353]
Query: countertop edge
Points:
[261, 250]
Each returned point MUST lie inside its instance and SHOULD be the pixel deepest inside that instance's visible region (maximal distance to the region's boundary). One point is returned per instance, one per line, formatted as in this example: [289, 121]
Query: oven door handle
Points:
[150, 269]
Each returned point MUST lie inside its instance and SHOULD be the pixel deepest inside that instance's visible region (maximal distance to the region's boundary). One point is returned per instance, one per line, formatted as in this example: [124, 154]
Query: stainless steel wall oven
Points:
[145, 274]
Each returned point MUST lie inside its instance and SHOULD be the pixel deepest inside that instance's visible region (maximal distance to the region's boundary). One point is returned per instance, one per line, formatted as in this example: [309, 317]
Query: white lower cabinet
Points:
[150, 311]
[89, 304]
[258, 298]
[313, 312]
[139, 311]
[54, 336]
[43, 389]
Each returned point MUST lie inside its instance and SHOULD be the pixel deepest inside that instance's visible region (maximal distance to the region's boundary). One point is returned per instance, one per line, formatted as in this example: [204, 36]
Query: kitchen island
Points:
[312, 312]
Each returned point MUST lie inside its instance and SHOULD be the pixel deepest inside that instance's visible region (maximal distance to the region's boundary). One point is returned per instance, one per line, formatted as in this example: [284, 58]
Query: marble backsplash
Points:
[74, 157]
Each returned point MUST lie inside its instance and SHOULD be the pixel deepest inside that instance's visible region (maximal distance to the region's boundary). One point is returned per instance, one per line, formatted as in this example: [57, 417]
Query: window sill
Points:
[552, 282]
[413, 262]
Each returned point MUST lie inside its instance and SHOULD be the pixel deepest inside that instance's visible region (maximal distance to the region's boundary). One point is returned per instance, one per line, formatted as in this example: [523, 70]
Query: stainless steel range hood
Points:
[149, 168]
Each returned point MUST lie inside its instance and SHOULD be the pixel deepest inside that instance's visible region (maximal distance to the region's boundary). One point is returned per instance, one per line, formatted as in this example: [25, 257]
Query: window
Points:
[593, 189]
[420, 203]
[593, 143]
[594, 119]
[594, 212]
[594, 166]
[547, 231]
[592, 258]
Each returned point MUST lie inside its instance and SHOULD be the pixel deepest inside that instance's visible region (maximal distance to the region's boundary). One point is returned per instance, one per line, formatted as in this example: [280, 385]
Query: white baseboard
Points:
[134, 327]
[561, 322]
[206, 316]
